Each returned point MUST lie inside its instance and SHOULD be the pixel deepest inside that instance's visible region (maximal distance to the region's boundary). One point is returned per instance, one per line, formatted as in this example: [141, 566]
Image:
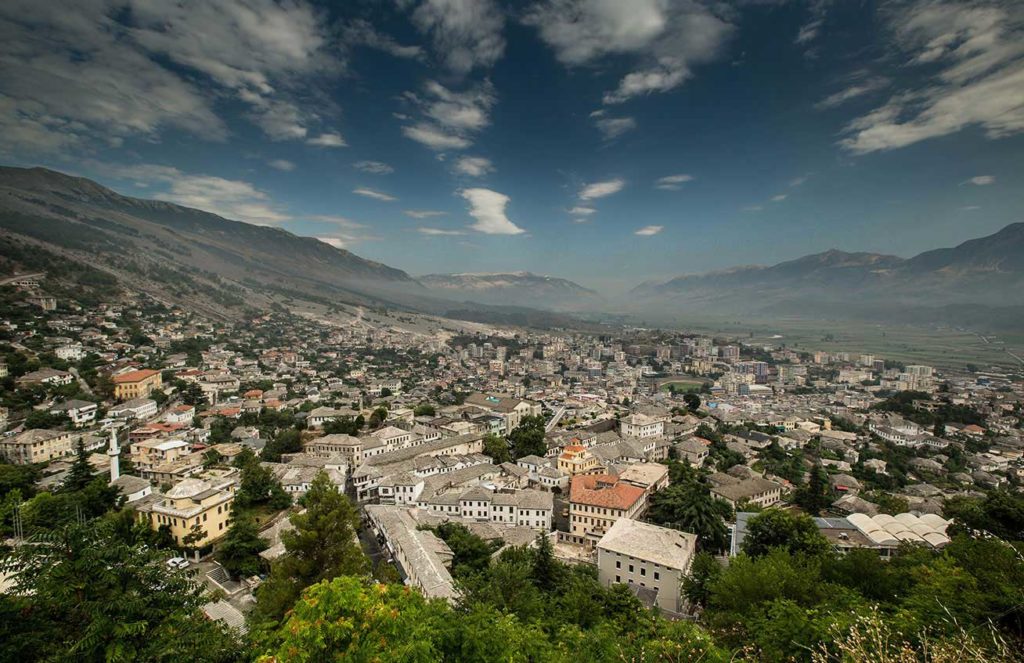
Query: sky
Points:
[606, 141]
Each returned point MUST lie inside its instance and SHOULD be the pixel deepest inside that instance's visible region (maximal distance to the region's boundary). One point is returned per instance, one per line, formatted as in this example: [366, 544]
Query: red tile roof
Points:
[136, 376]
[604, 491]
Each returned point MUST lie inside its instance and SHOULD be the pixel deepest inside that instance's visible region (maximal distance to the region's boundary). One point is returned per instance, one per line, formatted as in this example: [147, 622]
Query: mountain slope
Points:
[513, 289]
[985, 273]
[187, 253]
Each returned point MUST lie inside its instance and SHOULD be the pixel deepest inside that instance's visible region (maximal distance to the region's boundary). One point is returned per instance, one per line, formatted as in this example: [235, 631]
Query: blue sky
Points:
[606, 141]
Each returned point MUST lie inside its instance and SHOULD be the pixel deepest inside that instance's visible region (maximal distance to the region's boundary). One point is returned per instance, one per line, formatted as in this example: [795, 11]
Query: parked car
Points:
[177, 563]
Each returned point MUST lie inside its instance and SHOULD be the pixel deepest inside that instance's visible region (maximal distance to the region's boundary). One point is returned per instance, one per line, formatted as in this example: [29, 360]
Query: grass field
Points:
[682, 384]
[940, 347]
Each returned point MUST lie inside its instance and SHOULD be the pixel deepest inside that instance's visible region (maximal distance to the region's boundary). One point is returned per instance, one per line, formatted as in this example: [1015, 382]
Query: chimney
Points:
[114, 454]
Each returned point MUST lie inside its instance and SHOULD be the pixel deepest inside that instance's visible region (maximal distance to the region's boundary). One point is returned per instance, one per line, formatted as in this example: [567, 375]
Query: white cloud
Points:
[858, 88]
[439, 231]
[981, 180]
[799, 181]
[450, 119]
[612, 127]
[466, 34]
[376, 195]
[423, 213]
[581, 220]
[281, 164]
[232, 199]
[343, 232]
[811, 29]
[752, 208]
[601, 189]
[666, 39]
[779, 198]
[474, 166]
[970, 208]
[362, 33]
[672, 182]
[328, 140]
[374, 167]
[336, 242]
[581, 210]
[488, 208]
[647, 231]
[977, 56]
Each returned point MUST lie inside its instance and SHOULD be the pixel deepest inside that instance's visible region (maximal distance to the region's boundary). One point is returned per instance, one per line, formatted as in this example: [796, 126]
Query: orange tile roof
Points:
[604, 491]
[135, 376]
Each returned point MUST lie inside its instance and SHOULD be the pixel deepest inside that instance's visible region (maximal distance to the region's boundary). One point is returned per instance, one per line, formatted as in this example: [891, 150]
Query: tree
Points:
[777, 528]
[80, 475]
[527, 438]
[690, 507]
[548, 573]
[192, 394]
[814, 497]
[259, 486]
[195, 534]
[239, 551]
[424, 410]
[692, 401]
[704, 570]
[496, 447]
[81, 593]
[323, 545]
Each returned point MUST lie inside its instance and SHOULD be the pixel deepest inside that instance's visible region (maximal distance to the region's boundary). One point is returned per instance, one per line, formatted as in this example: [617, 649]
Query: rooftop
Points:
[670, 548]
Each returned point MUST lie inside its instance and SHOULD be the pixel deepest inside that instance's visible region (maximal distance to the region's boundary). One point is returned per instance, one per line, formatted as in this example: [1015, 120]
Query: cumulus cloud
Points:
[672, 182]
[342, 232]
[647, 231]
[612, 127]
[374, 167]
[488, 208]
[465, 34]
[281, 164]
[328, 140]
[981, 180]
[439, 231]
[474, 166]
[664, 39]
[423, 213]
[977, 56]
[779, 198]
[581, 210]
[601, 189]
[449, 119]
[336, 242]
[376, 195]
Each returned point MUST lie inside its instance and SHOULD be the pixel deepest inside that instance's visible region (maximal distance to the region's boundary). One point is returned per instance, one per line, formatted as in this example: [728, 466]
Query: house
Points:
[576, 459]
[421, 557]
[138, 408]
[180, 414]
[152, 452]
[649, 556]
[49, 376]
[321, 415]
[132, 488]
[642, 426]
[200, 507]
[137, 384]
[512, 410]
[81, 413]
[35, 446]
[596, 501]
[339, 444]
[693, 450]
[755, 490]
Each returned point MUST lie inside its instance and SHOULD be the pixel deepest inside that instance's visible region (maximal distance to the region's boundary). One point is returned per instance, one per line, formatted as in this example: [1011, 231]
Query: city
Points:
[540, 331]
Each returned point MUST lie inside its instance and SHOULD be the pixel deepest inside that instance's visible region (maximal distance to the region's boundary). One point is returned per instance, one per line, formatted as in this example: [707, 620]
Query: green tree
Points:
[239, 551]
[692, 401]
[323, 545]
[82, 594]
[527, 438]
[496, 447]
[777, 528]
[704, 570]
[815, 496]
[690, 507]
[81, 473]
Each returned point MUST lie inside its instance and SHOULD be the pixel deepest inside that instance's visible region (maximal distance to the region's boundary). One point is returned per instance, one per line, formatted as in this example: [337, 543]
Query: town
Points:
[634, 453]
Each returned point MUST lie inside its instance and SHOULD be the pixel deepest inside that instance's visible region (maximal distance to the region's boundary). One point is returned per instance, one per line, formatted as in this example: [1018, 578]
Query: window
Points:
[630, 568]
[643, 570]
[618, 564]
[657, 576]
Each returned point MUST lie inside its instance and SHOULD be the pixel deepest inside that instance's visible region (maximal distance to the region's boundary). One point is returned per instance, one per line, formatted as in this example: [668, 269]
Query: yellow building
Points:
[137, 384]
[206, 502]
[36, 446]
[575, 459]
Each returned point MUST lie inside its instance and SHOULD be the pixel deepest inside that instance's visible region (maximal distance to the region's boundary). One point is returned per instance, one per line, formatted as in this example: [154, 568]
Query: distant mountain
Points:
[513, 289]
[985, 274]
[185, 254]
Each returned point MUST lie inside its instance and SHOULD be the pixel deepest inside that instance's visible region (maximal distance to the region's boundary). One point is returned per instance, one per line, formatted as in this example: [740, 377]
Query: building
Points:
[596, 501]
[512, 410]
[648, 556]
[147, 454]
[193, 506]
[81, 413]
[421, 557]
[339, 444]
[576, 459]
[36, 446]
[642, 426]
[753, 490]
[137, 384]
[138, 408]
[50, 376]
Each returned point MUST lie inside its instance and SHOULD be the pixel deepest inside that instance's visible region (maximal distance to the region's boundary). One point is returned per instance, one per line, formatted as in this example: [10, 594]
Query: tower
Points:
[114, 454]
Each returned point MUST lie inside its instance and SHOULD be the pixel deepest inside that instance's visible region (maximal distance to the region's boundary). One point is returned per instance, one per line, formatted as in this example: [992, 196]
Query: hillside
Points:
[513, 289]
[985, 274]
[184, 254]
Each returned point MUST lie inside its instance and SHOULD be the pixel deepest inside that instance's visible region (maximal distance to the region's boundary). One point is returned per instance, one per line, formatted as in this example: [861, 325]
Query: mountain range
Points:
[223, 268]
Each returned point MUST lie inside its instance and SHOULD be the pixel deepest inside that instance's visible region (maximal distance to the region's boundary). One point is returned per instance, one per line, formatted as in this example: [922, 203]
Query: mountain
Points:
[985, 274]
[184, 254]
[513, 289]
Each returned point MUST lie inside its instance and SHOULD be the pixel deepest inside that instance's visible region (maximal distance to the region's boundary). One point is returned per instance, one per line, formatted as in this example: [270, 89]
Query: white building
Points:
[642, 426]
[652, 557]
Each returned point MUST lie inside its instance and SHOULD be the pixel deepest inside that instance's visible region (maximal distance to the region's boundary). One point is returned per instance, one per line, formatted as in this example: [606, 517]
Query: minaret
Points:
[114, 453]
